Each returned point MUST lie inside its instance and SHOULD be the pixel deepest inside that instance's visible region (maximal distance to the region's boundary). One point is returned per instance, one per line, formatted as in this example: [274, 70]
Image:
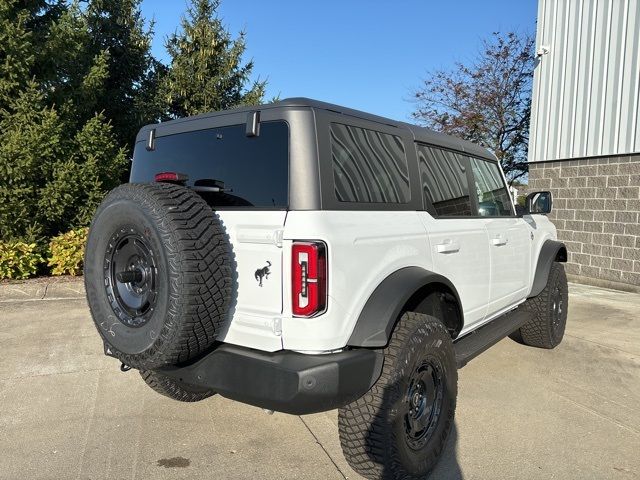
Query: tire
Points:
[377, 438]
[174, 390]
[158, 274]
[546, 328]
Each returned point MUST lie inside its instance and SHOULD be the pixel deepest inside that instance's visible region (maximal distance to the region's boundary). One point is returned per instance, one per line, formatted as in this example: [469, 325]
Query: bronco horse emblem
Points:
[263, 273]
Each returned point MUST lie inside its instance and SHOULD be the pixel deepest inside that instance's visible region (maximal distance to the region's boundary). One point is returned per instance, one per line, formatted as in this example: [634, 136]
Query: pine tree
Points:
[118, 28]
[59, 153]
[49, 182]
[206, 71]
[24, 29]
[76, 84]
[79, 86]
[31, 141]
[17, 55]
[79, 182]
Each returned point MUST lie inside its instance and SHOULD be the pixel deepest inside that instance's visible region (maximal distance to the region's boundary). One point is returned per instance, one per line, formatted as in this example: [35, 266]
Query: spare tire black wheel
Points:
[158, 274]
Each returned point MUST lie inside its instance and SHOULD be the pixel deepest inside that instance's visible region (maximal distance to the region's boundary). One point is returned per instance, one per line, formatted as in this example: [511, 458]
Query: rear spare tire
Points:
[158, 274]
[173, 389]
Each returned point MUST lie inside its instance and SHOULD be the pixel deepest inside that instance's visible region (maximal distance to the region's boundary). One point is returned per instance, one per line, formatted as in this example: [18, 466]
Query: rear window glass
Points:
[368, 166]
[444, 181]
[247, 171]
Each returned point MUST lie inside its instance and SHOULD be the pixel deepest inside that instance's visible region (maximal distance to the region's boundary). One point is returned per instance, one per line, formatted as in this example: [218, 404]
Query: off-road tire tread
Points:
[362, 425]
[537, 332]
[201, 268]
[172, 389]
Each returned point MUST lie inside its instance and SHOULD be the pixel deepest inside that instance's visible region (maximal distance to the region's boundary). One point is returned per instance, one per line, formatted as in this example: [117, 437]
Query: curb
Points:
[50, 289]
[607, 284]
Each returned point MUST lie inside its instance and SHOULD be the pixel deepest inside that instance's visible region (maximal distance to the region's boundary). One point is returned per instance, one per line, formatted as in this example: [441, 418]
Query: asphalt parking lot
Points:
[66, 411]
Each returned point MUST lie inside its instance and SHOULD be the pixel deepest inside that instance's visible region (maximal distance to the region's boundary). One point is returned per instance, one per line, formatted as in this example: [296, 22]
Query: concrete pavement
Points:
[66, 411]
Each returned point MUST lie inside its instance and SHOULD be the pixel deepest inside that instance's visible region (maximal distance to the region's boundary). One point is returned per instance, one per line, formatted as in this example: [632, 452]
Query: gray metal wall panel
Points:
[586, 91]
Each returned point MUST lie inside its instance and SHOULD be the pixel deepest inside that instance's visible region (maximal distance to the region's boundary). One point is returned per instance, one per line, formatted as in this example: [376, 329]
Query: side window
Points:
[493, 198]
[444, 183]
[368, 166]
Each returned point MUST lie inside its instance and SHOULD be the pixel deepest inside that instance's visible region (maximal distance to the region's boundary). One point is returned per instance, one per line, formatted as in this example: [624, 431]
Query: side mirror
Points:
[538, 203]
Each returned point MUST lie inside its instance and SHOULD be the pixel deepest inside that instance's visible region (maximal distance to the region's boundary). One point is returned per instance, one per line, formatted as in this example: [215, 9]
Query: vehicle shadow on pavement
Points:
[448, 467]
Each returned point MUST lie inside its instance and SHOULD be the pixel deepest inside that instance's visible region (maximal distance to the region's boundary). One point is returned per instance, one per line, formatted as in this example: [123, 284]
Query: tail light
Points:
[170, 177]
[308, 278]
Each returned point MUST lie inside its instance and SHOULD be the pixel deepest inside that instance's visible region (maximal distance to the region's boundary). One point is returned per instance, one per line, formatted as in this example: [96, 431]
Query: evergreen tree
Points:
[17, 55]
[78, 183]
[31, 141]
[24, 29]
[118, 28]
[78, 86]
[206, 71]
[50, 182]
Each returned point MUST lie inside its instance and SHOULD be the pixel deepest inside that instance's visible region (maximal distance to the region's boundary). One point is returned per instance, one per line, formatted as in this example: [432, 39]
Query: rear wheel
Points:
[175, 390]
[546, 328]
[399, 428]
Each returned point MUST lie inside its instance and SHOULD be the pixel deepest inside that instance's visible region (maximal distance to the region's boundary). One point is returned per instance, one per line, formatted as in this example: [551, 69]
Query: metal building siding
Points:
[586, 91]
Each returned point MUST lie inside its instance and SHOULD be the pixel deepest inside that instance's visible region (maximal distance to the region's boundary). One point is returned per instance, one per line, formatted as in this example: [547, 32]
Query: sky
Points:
[369, 55]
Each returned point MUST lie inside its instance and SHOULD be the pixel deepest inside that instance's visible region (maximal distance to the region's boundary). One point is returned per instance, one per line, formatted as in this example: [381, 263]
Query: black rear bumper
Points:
[284, 381]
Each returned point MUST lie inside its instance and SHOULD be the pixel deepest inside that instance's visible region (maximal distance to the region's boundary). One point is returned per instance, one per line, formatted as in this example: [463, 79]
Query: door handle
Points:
[499, 241]
[448, 247]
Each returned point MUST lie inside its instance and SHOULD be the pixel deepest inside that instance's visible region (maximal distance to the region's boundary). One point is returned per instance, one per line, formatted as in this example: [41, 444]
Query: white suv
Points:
[301, 256]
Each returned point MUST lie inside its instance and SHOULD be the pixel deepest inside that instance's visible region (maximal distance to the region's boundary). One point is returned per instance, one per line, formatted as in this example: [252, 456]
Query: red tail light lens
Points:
[309, 278]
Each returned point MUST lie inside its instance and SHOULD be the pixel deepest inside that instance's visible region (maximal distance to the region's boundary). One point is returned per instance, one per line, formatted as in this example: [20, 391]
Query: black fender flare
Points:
[383, 308]
[550, 251]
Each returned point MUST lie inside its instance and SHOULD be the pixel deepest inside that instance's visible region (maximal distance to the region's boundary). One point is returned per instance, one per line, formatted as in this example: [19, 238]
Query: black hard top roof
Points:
[420, 134]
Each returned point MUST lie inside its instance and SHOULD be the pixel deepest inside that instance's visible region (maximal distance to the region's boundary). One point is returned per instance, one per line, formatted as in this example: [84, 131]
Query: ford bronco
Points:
[301, 257]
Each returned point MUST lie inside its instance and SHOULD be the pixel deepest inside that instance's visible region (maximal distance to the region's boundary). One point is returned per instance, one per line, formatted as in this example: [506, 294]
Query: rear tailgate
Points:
[256, 240]
[245, 179]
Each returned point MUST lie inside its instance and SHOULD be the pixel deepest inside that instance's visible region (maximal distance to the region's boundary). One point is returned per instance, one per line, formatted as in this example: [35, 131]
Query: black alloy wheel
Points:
[423, 403]
[399, 428]
[130, 273]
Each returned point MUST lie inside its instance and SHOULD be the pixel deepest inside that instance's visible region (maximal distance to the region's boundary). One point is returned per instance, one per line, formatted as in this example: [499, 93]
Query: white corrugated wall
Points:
[586, 90]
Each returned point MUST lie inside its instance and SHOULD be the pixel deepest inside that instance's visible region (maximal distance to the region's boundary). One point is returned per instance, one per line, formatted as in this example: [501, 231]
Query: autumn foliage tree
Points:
[487, 101]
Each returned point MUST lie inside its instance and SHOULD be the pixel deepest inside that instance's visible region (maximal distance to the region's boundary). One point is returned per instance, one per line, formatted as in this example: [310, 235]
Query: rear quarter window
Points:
[368, 166]
[253, 172]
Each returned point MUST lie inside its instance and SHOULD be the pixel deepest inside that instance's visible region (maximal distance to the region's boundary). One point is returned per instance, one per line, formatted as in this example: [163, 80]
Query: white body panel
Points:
[363, 248]
[460, 251]
[509, 242]
[256, 238]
